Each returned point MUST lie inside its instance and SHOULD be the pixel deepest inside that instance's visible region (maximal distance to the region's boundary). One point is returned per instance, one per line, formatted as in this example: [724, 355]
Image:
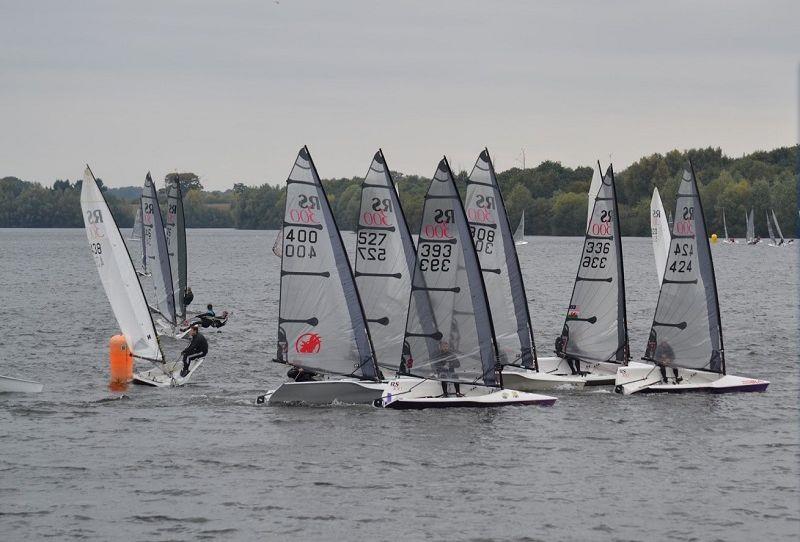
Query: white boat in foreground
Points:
[19, 385]
[121, 284]
[685, 342]
[322, 330]
[450, 348]
[168, 375]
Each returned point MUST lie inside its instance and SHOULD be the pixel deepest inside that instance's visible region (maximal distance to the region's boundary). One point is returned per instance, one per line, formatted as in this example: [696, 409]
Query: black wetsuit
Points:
[198, 348]
[301, 375]
[188, 297]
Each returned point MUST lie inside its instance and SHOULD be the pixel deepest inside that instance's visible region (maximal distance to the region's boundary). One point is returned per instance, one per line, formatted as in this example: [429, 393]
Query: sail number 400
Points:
[435, 256]
[369, 245]
[293, 247]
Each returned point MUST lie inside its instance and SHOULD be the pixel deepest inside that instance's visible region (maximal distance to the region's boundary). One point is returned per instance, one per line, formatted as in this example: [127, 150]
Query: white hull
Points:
[554, 374]
[520, 243]
[19, 385]
[169, 377]
[325, 392]
[647, 378]
[412, 394]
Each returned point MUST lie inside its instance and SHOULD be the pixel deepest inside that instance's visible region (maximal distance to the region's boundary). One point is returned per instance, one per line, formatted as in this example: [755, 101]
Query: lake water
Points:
[201, 462]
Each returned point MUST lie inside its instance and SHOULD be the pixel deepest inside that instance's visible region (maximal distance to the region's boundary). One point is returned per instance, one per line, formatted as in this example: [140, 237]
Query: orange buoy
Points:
[120, 362]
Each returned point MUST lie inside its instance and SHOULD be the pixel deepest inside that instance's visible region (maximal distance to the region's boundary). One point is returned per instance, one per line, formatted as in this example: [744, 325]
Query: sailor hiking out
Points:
[198, 348]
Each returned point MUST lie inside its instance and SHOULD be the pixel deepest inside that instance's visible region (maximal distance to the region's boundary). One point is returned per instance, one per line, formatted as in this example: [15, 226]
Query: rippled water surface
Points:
[201, 462]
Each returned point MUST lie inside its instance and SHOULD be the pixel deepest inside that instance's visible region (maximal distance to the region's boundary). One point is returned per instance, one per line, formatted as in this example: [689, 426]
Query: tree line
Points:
[554, 197]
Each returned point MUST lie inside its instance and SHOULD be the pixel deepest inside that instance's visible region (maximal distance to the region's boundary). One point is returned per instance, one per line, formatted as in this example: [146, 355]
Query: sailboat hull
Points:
[325, 392]
[520, 243]
[411, 394]
[647, 379]
[19, 385]
[160, 379]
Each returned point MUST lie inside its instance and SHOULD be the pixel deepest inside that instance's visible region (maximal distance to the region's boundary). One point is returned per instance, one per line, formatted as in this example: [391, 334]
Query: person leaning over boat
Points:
[209, 312]
[198, 348]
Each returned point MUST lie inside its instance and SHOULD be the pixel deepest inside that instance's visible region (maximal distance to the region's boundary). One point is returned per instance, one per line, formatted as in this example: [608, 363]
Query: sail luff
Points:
[117, 273]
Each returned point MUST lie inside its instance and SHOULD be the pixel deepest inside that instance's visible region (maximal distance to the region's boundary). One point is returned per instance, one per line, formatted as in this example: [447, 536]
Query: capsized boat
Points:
[10, 384]
[519, 233]
[594, 339]
[685, 341]
[123, 289]
[505, 288]
[322, 331]
[452, 352]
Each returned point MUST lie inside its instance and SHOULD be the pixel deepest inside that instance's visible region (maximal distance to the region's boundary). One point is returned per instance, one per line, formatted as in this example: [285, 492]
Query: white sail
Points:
[686, 330]
[594, 187]
[155, 242]
[277, 246]
[384, 262]
[494, 243]
[136, 232]
[751, 228]
[117, 273]
[777, 227]
[519, 233]
[175, 232]
[725, 224]
[595, 327]
[321, 323]
[769, 229]
[659, 229]
[457, 344]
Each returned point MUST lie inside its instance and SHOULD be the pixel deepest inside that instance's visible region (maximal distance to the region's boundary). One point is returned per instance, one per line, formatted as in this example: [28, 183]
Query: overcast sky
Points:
[231, 89]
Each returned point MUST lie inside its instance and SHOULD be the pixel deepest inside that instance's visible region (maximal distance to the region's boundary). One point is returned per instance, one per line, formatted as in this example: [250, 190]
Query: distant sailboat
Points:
[660, 232]
[782, 241]
[519, 233]
[454, 351]
[686, 336]
[124, 291]
[770, 231]
[728, 239]
[750, 236]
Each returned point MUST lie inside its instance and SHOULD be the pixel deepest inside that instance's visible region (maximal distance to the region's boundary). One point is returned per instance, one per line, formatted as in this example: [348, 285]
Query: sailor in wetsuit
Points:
[198, 348]
[664, 358]
[188, 296]
[298, 374]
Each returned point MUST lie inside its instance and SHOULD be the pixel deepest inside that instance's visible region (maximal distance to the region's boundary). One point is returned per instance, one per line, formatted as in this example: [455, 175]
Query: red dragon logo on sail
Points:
[308, 343]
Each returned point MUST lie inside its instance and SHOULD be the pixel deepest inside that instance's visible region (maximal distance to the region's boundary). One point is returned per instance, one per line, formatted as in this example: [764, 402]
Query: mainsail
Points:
[725, 224]
[659, 229]
[594, 186]
[596, 327]
[687, 331]
[769, 229]
[751, 233]
[458, 344]
[321, 323]
[155, 243]
[491, 235]
[175, 232]
[777, 227]
[117, 272]
[519, 234]
[136, 232]
[384, 262]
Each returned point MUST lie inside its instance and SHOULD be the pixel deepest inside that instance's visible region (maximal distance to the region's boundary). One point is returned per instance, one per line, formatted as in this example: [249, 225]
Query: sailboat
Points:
[728, 239]
[770, 231]
[322, 330]
[782, 241]
[453, 353]
[136, 231]
[384, 263]
[519, 233]
[686, 335]
[594, 338]
[659, 230]
[124, 291]
[505, 288]
[161, 291]
[175, 233]
[750, 236]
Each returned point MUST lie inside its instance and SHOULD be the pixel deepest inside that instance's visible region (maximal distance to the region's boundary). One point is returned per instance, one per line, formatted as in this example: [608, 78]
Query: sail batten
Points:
[495, 246]
[595, 327]
[117, 273]
[384, 262]
[456, 341]
[322, 326]
[687, 330]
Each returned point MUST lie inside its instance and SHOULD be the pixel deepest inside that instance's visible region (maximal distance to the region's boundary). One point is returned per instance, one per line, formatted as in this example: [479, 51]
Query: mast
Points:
[623, 333]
